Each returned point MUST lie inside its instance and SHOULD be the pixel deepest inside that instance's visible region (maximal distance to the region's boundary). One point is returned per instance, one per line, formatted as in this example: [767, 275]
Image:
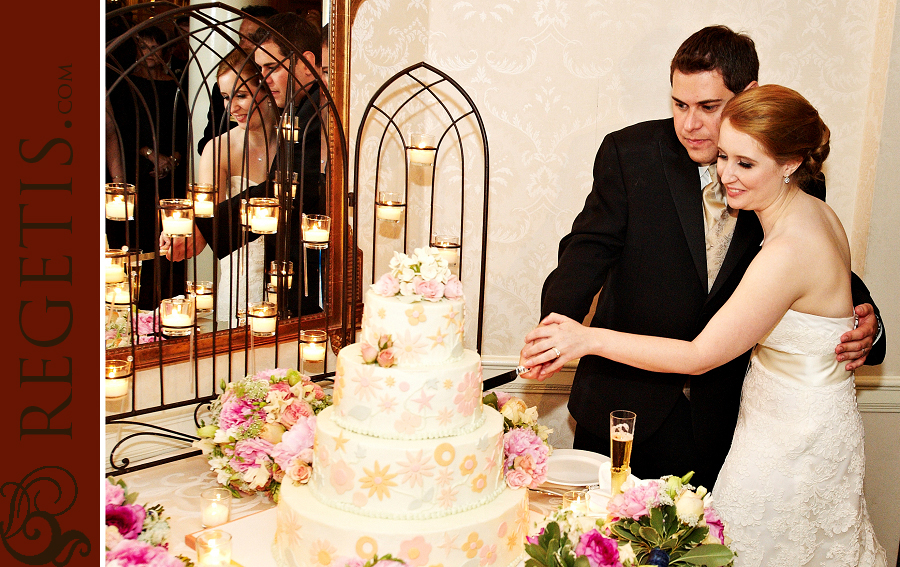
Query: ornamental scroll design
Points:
[31, 532]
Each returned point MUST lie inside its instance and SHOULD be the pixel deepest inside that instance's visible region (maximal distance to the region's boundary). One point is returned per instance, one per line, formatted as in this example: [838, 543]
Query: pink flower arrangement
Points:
[262, 431]
[599, 550]
[525, 458]
[636, 502]
[135, 534]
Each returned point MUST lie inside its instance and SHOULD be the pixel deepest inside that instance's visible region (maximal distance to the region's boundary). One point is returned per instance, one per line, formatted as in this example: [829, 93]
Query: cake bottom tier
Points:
[312, 534]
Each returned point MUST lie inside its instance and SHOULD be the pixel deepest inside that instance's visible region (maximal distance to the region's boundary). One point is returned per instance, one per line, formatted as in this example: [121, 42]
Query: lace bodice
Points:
[791, 488]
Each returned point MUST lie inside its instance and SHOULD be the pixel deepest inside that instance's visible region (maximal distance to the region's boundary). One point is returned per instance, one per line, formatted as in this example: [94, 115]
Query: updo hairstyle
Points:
[242, 64]
[786, 126]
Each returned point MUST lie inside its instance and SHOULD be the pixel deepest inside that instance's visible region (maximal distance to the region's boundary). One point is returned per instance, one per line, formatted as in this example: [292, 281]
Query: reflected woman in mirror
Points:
[236, 160]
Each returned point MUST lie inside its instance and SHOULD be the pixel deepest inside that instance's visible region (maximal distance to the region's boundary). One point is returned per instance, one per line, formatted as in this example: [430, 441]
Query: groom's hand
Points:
[856, 344]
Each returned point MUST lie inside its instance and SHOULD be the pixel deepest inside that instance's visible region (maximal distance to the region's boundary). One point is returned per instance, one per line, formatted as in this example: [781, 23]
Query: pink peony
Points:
[431, 290]
[237, 413]
[369, 352]
[295, 411]
[247, 451]
[387, 285]
[115, 494]
[636, 502]
[128, 519]
[386, 358]
[281, 387]
[715, 524]
[600, 551]
[133, 553]
[294, 442]
[453, 288]
[533, 540]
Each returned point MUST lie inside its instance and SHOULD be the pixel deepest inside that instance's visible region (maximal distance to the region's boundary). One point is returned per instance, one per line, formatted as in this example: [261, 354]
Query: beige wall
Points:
[551, 78]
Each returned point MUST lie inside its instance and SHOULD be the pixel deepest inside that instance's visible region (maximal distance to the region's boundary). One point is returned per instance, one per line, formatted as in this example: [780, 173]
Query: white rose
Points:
[513, 410]
[272, 432]
[689, 507]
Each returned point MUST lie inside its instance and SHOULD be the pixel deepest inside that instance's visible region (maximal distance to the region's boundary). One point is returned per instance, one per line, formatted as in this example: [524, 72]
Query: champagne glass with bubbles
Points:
[621, 436]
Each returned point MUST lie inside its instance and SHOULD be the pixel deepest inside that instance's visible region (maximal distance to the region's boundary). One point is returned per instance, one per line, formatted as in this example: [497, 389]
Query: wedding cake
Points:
[407, 461]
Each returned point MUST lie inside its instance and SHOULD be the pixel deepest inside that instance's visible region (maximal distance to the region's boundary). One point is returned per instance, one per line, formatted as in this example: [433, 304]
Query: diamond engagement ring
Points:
[556, 350]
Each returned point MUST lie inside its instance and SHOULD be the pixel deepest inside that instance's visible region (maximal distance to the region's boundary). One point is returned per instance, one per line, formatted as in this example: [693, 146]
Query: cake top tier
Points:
[422, 276]
[414, 314]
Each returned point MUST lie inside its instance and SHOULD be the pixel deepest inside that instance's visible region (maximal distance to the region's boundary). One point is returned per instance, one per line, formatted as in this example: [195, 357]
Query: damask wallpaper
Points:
[552, 77]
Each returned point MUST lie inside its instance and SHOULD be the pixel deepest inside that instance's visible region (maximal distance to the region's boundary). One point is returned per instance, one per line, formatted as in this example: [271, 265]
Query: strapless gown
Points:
[791, 489]
[234, 281]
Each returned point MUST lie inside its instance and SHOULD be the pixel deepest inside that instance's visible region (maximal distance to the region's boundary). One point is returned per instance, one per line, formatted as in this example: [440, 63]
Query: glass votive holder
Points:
[177, 316]
[202, 292]
[276, 185]
[289, 127]
[177, 216]
[575, 500]
[448, 249]
[120, 201]
[117, 378]
[279, 271]
[271, 294]
[115, 266]
[213, 548]
[118, 296]
[312, 345]
[245, 214]
[315, 230]
[263, 213]
[215, 507]
[204, 197]
[421, 149]
[262, 319]
[389, 206]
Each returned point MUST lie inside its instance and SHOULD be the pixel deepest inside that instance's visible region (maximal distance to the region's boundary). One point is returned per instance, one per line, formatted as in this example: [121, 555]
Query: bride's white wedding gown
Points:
[791, 489]
[234, 280]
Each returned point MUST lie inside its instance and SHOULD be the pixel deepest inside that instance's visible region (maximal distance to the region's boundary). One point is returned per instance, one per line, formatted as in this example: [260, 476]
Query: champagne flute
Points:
[621, 436]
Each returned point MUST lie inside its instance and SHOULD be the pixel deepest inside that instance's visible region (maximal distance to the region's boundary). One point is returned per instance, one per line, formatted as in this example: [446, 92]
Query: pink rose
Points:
[431, 290]
[386, 286]
[634, 503]
[453, 288]
[115, 494]
[369, 353]
[715, 524]
[386, 357]
[533, 540]
[128, 519]
[517, 479]
[295, 411]
[282, 388]
[298, 471]
[600, 551]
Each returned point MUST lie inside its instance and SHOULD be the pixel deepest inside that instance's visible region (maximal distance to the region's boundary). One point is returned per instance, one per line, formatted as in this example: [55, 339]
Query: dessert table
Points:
[177, 487]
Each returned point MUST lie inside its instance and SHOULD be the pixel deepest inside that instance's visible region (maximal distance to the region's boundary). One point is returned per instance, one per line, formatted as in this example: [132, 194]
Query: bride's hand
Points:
[556, 341]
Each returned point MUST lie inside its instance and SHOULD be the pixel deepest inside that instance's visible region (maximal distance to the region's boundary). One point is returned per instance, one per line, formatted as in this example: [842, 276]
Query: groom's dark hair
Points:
[718, 48]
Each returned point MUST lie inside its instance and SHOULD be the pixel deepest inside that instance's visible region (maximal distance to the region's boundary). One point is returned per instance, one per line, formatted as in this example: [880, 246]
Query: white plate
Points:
[574, 467]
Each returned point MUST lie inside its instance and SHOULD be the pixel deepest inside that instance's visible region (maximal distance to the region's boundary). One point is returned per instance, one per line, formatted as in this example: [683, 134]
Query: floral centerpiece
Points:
[262, 431]
[423, 275]
[118, 334]
[136, 535]
[525, 446]
[664, 522]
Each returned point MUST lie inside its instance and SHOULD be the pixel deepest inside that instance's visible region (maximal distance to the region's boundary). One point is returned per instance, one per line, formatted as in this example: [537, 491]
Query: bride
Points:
[234, 161]
[791, 488]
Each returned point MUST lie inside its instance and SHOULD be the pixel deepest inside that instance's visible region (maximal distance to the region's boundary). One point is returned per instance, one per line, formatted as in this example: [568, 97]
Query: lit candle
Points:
[273, 279]
[116, 209]
[114, 273]
[215, 514]
[262, 223]
[262, 319]
[116, 387]
[117, 375]
[176, 320]
[389, 212]
[204, 301]
[214, 548]
[315, 235]
[203, 209]
[421, 150]
[117, 294]
[448, 249]
[175, 225]
[313, 352]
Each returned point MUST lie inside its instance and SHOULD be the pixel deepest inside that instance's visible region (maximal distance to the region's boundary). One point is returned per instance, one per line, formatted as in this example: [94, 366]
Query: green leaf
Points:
[531, 562]
[709, 555]
[491, 400]
[624, 533]
[650, 535]
[657, 521]
[582, 561]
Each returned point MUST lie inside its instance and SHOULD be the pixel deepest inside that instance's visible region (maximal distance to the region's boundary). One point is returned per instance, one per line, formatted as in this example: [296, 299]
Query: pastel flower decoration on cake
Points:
[422, 276]
[415, 552]
[384, 353]
[262, 431]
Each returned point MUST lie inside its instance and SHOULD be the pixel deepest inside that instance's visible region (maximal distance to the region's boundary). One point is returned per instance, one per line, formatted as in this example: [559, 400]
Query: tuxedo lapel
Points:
[684, 183]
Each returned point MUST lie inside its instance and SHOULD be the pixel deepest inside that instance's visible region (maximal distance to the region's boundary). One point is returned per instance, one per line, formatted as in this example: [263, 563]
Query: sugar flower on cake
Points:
[262, 431]
[421, 276]
[136, 534]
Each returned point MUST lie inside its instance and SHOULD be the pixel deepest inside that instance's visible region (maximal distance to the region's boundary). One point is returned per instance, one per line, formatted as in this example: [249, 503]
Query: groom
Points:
[641, 241]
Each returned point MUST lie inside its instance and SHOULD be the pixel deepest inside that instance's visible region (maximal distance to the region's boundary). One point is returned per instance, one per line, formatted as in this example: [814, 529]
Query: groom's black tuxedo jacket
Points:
[640, 238]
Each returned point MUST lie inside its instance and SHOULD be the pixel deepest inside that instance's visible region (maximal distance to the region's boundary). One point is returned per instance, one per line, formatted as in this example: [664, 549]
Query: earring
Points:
[787, 179]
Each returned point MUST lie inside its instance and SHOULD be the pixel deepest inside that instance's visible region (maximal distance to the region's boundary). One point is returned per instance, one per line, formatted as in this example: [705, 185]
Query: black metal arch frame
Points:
[425, 88]
[325, 111]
